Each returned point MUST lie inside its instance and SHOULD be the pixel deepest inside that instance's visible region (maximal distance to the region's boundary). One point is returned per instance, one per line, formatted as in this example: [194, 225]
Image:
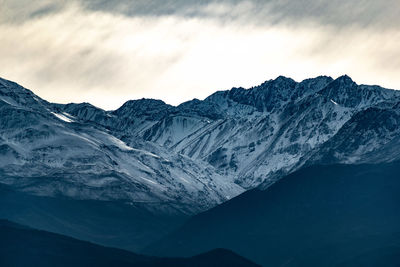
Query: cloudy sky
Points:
[107, 51]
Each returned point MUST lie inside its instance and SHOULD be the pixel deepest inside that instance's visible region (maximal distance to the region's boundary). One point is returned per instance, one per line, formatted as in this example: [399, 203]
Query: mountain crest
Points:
[212, 149]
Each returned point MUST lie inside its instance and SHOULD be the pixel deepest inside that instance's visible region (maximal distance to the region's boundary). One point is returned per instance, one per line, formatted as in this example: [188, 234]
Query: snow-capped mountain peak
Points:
[198, 154]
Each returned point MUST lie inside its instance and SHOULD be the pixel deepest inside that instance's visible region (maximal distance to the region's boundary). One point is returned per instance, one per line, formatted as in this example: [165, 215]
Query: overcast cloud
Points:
[106, 52]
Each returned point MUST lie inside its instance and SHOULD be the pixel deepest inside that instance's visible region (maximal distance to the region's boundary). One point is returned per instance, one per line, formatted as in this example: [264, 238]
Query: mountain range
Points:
[143, 169]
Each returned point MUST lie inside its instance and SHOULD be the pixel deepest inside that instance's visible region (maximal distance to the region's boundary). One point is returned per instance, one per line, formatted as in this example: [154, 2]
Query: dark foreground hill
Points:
[109, 223]
[318, 216]
[22, 246]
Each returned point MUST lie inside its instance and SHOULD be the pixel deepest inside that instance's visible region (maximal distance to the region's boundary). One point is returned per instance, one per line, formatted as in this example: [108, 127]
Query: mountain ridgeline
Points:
[330, 215]
[150, 160]
[252, 137]
[23, 246]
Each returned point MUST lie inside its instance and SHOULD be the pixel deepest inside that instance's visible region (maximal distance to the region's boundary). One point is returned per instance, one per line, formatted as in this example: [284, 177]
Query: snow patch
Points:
[120, 144]
[146, 153]
[2, 99]
[148, 180]
[62, 117]
[334, 102]
[69, 115]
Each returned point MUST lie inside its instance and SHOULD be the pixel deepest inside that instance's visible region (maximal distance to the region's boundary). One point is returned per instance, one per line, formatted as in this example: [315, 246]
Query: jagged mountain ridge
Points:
[198, 154]
[259, 134]
[49, 152]
[269, 130]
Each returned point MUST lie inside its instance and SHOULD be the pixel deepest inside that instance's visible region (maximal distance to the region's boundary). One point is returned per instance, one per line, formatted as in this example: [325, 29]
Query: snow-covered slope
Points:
[196, 155]
[258, 135]
[48, 151]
